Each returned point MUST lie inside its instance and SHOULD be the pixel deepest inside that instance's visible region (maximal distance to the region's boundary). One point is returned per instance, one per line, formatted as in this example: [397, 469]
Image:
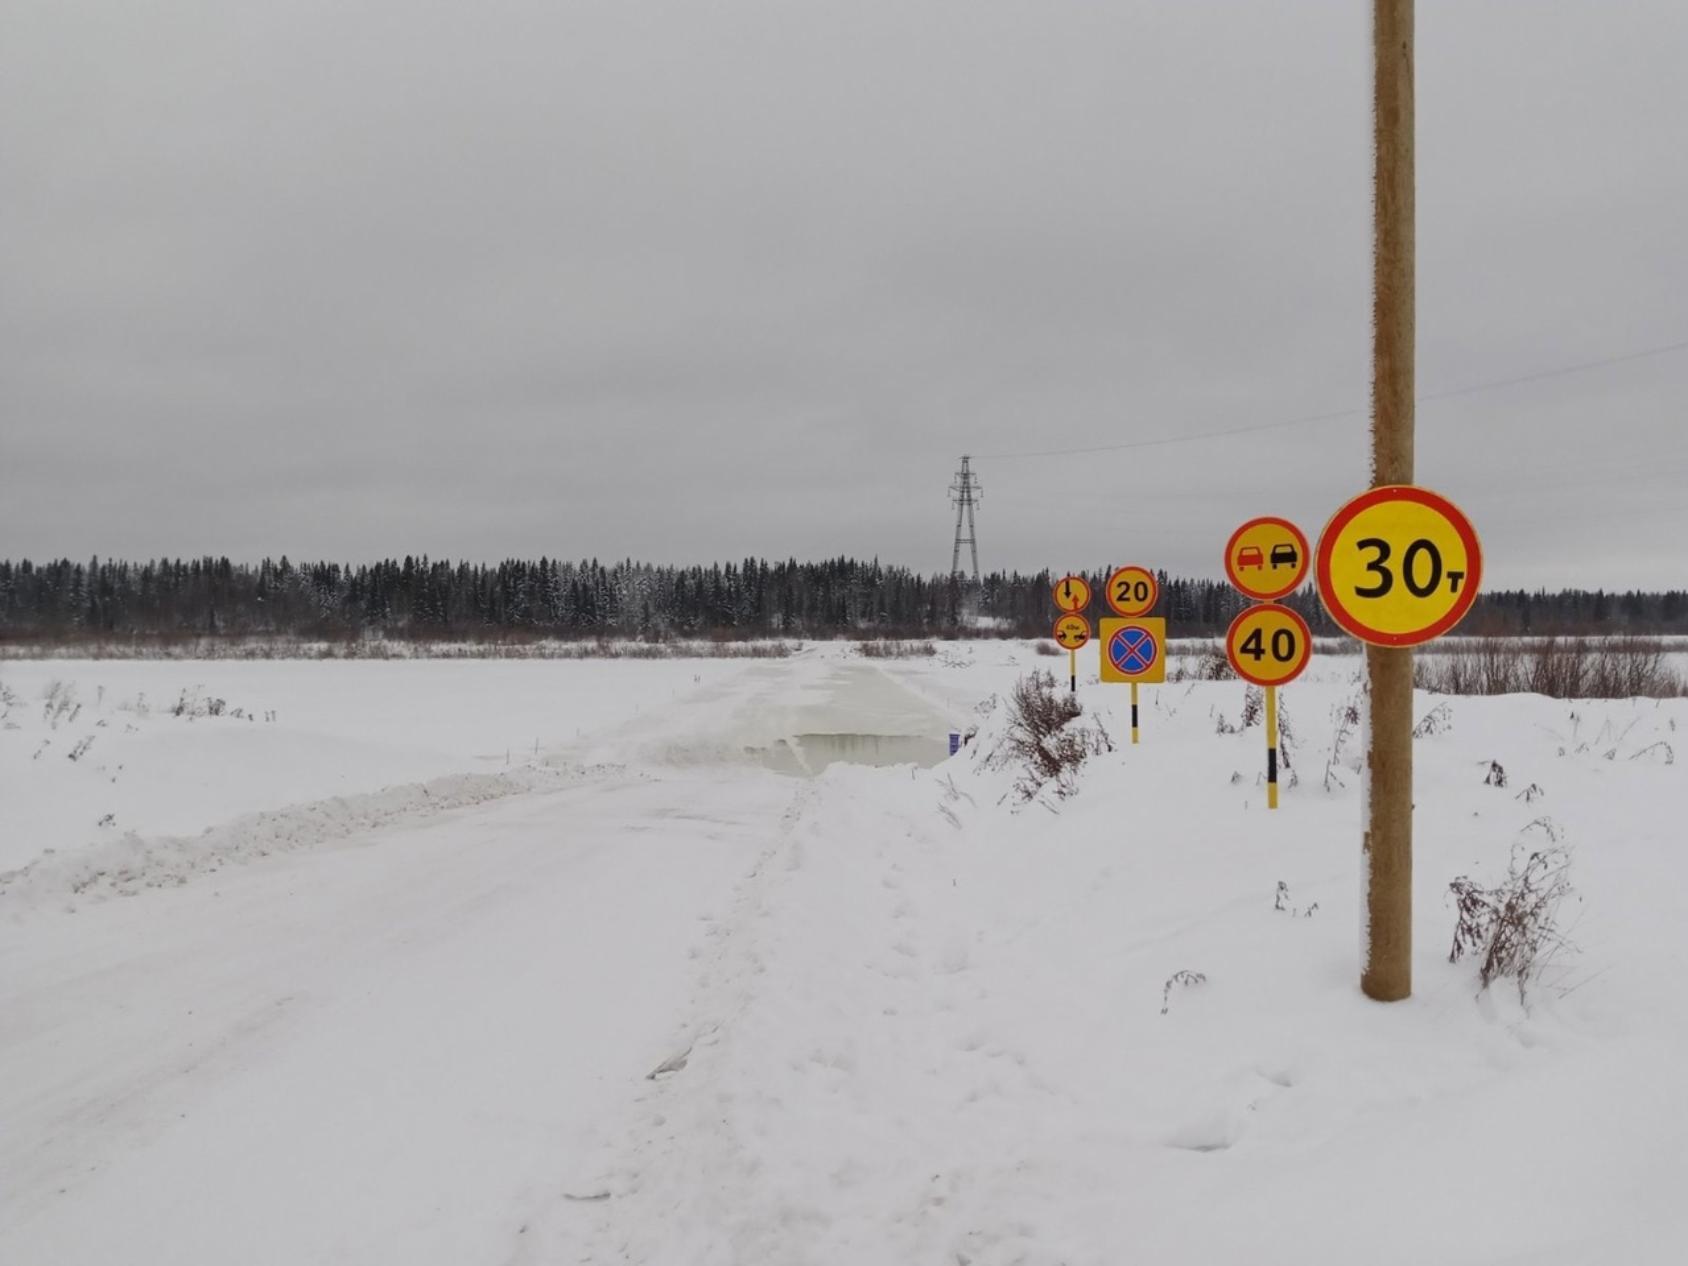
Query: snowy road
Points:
[388, 1052]
[399, 1046]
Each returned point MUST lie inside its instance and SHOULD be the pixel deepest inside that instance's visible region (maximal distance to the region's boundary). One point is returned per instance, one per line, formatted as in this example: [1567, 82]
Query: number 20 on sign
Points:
[1133, 591]
[1399, 565]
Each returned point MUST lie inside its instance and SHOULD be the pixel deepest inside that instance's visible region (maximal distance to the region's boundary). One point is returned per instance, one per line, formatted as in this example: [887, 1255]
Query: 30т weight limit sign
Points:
[1399, 565]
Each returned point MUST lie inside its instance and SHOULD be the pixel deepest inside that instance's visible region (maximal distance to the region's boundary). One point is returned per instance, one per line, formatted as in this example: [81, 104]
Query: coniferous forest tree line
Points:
[418, 597]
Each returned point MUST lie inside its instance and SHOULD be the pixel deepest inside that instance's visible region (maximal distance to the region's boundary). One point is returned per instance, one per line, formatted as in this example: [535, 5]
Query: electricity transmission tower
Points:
[966, 493]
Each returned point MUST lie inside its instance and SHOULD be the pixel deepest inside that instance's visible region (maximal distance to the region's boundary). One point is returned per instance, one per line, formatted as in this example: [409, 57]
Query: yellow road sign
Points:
[1268, 644]
[1266, 558]
[1399, 565]
[1133, 591]
[1072, 593]
[1134, 649]
[1072, 631]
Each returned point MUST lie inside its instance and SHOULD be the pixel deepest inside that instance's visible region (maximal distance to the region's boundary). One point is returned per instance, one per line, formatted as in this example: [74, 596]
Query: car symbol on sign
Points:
[1284, 555]
[1250, 556]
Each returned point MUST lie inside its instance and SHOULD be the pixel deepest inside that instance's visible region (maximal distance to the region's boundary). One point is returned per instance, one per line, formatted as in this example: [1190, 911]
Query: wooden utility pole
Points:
[1386, 973]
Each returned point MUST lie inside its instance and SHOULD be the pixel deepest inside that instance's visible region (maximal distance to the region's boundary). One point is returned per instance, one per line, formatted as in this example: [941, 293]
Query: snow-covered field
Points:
[529, 961]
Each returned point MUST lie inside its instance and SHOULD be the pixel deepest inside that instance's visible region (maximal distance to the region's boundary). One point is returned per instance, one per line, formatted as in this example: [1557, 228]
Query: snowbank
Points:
[950, 1026]
[124, 866]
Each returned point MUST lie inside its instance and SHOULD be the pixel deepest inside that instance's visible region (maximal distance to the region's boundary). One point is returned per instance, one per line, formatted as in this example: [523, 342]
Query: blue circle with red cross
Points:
[1132, 650]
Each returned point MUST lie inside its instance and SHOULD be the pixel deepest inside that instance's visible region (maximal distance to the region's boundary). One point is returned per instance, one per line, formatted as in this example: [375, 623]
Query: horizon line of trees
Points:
[419, 597]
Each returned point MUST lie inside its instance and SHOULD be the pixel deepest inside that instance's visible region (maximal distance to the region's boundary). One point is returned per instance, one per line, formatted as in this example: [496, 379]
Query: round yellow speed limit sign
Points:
[1399, 565]
[1268, 644]
[1072, 632]
[1132, 591]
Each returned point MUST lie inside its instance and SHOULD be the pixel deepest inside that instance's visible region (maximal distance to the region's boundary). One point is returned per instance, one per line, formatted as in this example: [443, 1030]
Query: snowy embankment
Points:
[93, 753]
[674, 1007]
[124, 774]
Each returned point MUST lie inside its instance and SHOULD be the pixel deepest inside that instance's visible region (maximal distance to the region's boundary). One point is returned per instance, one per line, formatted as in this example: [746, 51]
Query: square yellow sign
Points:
[1134, 649]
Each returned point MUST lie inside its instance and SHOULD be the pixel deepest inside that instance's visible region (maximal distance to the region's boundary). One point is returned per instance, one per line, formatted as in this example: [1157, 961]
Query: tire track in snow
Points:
[732, 962]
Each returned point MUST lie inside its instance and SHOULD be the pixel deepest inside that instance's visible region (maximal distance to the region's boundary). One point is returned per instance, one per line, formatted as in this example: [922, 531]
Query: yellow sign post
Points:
[1072, 595]
[1399, 565]
[1072, 631]
[1134, 651]
[1269, 645]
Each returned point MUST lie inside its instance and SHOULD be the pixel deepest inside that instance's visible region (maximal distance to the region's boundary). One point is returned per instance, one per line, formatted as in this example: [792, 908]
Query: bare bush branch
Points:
[1512, 928]
[1562, 668]
[896, 650]
[1434, 722]
[1042, 738]
[1347, 717]
[1189, 979]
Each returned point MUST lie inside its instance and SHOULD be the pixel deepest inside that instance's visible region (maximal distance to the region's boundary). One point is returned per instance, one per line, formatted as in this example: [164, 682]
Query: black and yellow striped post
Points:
[1134, 654]
[1071, 632]
[1072, 596]
[1268, 646]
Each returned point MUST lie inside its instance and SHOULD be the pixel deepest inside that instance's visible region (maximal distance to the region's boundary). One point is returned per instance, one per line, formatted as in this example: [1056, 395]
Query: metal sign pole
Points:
[1271, 747]
[1386, 970]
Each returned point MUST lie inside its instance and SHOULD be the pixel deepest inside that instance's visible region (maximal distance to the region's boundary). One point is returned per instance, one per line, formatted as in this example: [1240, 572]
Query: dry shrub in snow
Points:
[1044, 738]
[1661, 752]
[190, 704]
[896, 650]
[1562, 668]
[1206, 663]
[1434, 722]
[1189, 979]
[1254, 706]
[1512, 928]
[60, 703]
[509, 644]
[1345, 719]
[605, 649]
[1213, 666]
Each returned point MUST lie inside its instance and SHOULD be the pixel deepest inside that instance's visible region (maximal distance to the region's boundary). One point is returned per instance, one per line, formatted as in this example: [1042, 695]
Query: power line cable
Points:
[1339, 414]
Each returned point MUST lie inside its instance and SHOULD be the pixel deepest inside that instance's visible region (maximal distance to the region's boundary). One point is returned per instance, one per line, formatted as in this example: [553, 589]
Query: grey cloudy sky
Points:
[685, 280]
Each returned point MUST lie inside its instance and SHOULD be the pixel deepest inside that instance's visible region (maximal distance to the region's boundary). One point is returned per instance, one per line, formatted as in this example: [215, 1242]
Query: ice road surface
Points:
[540, 962]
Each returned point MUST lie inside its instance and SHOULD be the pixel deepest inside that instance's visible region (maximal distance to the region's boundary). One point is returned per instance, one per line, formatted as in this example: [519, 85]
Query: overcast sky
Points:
[685, 280]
